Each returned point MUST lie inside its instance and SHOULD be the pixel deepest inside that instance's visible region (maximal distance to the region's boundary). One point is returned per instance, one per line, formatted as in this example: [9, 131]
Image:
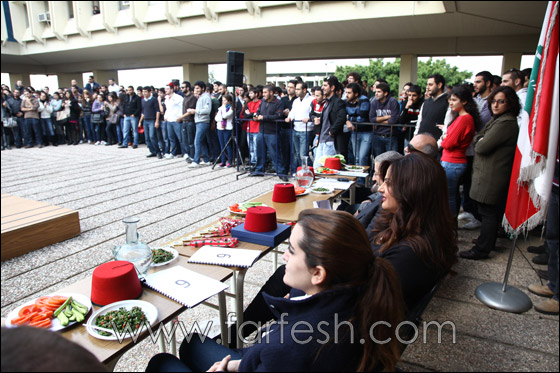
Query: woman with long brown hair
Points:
[415, 230]
[348, 293]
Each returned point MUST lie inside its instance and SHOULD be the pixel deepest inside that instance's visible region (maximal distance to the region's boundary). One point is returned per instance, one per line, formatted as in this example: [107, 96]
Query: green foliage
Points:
[390, 71]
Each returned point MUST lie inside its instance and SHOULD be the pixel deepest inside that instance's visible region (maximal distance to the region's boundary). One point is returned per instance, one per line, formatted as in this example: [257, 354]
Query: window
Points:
[95, 7]
[70, 7]
[124, 5]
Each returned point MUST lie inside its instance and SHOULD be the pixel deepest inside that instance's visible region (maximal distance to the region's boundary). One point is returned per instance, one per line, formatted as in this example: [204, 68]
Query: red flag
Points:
[537, 144]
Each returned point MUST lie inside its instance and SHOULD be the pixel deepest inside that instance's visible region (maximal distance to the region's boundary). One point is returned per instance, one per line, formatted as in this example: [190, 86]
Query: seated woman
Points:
[312, 334]
[414, 230]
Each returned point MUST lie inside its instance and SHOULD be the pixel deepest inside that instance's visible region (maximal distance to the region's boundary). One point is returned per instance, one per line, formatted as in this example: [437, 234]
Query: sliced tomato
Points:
[59, 298]
[46, 323]
[26, 310]
[23, 319]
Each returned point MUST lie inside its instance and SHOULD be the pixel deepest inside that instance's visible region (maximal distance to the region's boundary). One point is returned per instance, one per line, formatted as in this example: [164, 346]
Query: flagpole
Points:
[501, 296]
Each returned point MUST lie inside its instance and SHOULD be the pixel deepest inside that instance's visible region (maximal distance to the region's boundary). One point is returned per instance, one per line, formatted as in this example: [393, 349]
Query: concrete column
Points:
[65, 79]
[409, 69]
[14, 77]
[103, 76]
[511, 61]
[193, 72]
[255, 71]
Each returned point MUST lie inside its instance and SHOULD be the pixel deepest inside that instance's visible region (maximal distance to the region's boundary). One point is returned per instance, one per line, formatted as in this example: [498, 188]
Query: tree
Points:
[390, 71]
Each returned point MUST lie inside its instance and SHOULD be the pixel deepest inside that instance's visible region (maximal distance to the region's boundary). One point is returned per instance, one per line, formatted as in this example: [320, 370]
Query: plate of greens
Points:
[241, 208]
[321, 190]
[163, 255]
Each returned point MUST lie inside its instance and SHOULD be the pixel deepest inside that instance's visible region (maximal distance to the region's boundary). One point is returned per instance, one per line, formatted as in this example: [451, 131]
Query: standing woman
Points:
[346, 299]
[46, 110]
[87, 102]
[493, 160]
[457, 139]
[98, 119]
[112, 118]
[73, 126]
[30, 108]
[224, 122]
[56, 103]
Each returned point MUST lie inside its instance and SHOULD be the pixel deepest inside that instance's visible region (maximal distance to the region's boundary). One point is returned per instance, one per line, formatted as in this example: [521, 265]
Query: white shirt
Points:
[114, 88]
[300, 110]
[174, 107]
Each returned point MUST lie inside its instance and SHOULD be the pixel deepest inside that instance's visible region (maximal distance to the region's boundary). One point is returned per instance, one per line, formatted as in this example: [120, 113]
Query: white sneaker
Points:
[472, 224]
[193, 165]
[205, 163]
[168, 156]
[103, 143]
[97, 143]
[465, 216]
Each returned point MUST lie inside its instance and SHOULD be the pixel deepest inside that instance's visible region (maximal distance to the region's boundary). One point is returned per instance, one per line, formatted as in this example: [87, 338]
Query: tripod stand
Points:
[233, 139]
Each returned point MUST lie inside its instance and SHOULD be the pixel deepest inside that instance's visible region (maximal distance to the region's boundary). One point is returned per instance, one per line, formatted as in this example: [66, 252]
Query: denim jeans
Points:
[324, 148]
[47, 127]
[109, 130]
[174, 133]
[190, 132]
[213, 143]
[361, 143]
[384, 144]
[453, 171]
[166, 145]
[223, 136]
[119, 128]
[185, 138]
[100, 131]
[91, 133]
[301, 142]
[200, 146]
[552, 241]
[130, 122]
[17, 132]
[266, 143]
[32, 126]
[150, 134]
[252, 142]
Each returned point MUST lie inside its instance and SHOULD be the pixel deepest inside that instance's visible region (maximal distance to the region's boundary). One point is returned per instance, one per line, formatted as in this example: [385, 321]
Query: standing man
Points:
[13, 104]
[132, 109]
[19, 86]
[332, 119]
[113, 86]
[384, 109]
[74, 84]
[188, 128]
[434, 108]
[357, 110]
[92, 85]
[150, 115]
[303, 129]
[173, 113]
[202, 123]
[269, 111]
[284, 132]
[514, 78]
[30, 108]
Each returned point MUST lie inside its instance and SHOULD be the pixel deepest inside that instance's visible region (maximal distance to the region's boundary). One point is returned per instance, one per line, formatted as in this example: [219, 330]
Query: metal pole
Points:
[510, 260]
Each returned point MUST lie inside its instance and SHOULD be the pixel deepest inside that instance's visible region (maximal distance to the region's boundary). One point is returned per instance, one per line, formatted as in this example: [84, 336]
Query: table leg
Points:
[173, 344]
[223, 318]
[162, 342]
[239, 303]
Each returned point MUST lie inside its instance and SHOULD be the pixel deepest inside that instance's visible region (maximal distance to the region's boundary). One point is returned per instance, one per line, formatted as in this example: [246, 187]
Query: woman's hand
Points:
[225, 365]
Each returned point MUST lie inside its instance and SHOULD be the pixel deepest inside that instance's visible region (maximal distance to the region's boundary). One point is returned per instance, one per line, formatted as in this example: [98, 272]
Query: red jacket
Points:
[253, 107]
[459, 136]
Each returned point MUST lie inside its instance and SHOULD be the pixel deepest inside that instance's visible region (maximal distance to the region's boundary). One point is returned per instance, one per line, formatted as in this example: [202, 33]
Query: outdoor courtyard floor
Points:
[107, 184]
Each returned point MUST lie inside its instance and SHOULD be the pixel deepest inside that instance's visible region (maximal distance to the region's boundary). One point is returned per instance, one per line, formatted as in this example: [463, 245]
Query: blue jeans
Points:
[47, 127]
[302, 140]
[119, 128]
[18, 132]
[453, 171]
[252, 143]
[266, 143]
[324, 148]
[361, 143]
[196, 356]
[200, 147]
[91, 134]
[130, 122]
[213, 143]
[32, 126]
[190, 133]
[174, 133]
[384, 144]
[223, 136]
[552, 241]
[165, 145]
[150, 134]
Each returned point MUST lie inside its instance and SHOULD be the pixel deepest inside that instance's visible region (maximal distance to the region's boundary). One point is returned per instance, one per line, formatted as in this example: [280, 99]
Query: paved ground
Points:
[106, 184]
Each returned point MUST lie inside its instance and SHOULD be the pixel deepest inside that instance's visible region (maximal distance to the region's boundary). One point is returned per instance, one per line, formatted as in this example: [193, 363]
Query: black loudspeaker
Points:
[235, 68]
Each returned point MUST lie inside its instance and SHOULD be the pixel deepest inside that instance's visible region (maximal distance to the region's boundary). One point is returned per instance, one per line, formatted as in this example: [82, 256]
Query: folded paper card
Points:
[225, 256]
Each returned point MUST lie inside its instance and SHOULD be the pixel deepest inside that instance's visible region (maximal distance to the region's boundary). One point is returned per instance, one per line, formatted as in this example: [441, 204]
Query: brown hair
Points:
[423, 219]
[512, 100]
[336, 241]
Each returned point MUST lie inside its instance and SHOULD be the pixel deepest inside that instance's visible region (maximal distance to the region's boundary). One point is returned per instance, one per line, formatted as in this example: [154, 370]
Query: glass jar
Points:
[134, 251]
[304, 176]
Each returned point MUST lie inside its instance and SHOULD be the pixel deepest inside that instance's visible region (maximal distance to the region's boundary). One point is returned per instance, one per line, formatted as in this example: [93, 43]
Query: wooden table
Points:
[239, 274]
[108, 352]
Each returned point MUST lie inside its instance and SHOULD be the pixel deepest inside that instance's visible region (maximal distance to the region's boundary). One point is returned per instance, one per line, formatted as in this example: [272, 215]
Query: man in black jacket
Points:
[332, 120]
[132, 109]
[268, 113]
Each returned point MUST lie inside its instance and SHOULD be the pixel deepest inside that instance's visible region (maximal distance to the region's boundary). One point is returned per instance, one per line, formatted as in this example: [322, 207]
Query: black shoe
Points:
[134, 146]
[284, 178]
[159, 156]
[537, 249]
[473, 254]
[9, 147]
[541, 259]
[542, 274]
[150, 155]
[28, 146]
[256, 174]
[123, 146]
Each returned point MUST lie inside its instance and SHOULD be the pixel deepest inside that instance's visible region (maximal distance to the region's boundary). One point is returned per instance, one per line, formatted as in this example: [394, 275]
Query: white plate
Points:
[336, 173]
[56, 325]
[330, 190]
[149, 310]
[303, 194]
[355, 168]
[169, 249]
[242, 213]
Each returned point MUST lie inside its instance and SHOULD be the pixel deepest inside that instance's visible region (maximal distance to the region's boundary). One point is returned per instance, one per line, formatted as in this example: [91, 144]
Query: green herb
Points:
[321, 190]
[161, 256]
[121, 318]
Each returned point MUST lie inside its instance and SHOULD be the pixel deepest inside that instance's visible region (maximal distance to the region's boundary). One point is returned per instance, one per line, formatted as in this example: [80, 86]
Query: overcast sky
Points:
[161, 76]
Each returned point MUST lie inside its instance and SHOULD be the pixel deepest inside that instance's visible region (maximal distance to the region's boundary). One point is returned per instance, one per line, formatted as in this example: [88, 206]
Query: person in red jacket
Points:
[249, 113]
[457, 139]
